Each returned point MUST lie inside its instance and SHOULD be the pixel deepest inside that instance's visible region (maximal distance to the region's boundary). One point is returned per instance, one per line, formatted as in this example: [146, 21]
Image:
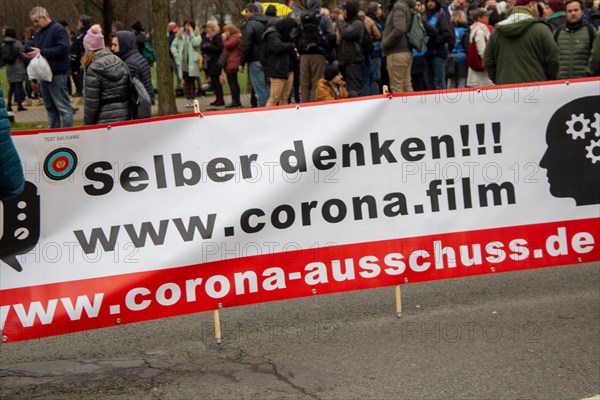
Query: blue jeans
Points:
[259, 82]
[56, 101]
[375, 75]
[435, 73]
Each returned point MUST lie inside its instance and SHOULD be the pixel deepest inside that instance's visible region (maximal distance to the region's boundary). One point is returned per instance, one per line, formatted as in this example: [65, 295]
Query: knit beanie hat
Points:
[556, 5]
[94, 40]
[331, 72]
[137, 26]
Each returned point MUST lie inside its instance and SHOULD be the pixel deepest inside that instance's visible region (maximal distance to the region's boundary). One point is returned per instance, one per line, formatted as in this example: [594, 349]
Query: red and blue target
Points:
[60, 164]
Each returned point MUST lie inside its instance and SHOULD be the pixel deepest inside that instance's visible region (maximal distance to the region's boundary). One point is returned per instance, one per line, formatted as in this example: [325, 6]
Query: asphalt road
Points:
[531, 334]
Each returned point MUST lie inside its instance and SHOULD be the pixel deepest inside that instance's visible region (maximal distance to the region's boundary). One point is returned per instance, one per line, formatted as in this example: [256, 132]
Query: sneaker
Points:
[38, 102]
[189, 104]
[21, 108]
[28, 102]
[233, 105]
[9, 108]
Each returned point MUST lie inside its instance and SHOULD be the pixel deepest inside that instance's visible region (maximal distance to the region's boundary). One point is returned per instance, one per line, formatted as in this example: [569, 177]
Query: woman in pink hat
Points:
[105, 84]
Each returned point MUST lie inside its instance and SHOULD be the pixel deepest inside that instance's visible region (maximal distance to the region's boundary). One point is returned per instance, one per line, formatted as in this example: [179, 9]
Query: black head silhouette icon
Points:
[573, 154]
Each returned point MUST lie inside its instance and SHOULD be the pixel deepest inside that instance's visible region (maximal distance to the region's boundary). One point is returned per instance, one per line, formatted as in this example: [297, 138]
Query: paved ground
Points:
[38, 113]
[528, 335]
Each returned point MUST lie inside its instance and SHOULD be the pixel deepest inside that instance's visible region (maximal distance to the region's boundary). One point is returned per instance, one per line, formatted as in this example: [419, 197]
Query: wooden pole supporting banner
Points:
[385, 89]
[217, 326]
[398, 302]
[196, 107]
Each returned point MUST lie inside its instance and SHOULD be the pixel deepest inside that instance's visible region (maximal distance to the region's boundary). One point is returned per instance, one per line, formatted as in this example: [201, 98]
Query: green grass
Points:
[242, 80]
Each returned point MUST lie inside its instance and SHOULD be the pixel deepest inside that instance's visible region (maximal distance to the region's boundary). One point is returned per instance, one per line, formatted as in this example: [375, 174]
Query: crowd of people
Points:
[312, 54]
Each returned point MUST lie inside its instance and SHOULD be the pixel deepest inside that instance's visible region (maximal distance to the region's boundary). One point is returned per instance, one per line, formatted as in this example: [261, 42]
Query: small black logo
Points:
[573, 154]
[20, 230]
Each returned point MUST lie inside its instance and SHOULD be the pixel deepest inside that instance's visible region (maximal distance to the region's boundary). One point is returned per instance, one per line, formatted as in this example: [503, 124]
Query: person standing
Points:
[186, 50]
[375, 12]
[395, 46]
[105, 83]
[232, 46]
[575, 38]
[212, 48]
[554, 13]
[256, 24]
[280, 52]
[456, 64]
[15, 70]
[521, 48]
[350, 56]
[438, 46]
[123, 46]
[83, 24]
[480, 34]
[317, 34]
[172, 30]
[52, 42]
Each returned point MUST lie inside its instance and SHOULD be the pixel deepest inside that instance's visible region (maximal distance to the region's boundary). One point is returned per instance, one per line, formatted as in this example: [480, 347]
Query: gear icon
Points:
[596, 124]
[578, 133]
[594, 144]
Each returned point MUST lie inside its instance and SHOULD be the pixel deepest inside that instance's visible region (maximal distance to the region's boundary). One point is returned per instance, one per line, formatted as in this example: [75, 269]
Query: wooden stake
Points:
[398, 302]
[385, 89]
[196, 107]
[217, 326]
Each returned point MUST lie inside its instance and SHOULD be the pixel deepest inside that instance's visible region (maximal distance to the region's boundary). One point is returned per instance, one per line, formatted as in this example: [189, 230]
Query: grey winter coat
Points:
[105, 90]
[16, 71]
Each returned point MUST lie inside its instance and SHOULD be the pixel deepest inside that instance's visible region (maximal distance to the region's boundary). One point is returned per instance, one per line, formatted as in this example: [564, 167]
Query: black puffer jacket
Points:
[252, 38]
[211, 50]
[438, 45]
[105, 90]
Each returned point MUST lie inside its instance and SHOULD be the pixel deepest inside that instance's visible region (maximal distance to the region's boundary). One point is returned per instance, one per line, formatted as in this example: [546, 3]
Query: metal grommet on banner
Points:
[118, 320]
[579, 259]
[220, 305]
[314, 291]
[493, 269]
[4, 338]
[297, 107]
[109, 128]
[478, 91]
[567, 83]
[405, 280]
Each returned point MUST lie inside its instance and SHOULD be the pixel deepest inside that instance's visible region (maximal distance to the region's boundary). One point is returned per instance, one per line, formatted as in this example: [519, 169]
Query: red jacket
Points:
[233, 46]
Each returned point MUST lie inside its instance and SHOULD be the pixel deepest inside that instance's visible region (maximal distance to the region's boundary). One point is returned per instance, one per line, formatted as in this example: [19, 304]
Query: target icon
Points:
[60, 164]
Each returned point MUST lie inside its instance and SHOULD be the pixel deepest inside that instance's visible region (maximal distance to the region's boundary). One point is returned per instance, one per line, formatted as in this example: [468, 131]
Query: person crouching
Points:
[331, 86]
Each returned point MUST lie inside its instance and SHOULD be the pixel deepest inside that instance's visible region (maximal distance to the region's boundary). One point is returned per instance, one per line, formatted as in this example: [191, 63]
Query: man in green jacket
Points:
[521, 48]
[575, 39]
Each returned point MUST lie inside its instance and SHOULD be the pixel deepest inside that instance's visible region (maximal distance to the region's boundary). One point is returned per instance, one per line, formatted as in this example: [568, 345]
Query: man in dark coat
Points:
[52, 42]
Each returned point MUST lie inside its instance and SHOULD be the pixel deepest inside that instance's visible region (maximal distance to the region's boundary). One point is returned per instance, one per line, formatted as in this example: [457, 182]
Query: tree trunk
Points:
[166, 93]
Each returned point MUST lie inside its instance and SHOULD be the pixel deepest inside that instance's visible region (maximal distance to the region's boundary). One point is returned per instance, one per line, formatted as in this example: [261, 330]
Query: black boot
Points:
[21, 108]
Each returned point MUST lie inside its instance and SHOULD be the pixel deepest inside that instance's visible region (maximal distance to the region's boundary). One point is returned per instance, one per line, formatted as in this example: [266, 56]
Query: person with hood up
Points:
[350, 55]
[186, 50]
[140, 36]
[280, 51]
[123, 46]
[105, 83]
[521, 48]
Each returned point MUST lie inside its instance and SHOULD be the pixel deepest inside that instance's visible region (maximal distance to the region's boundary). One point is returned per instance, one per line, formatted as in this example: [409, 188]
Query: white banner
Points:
[276, 193]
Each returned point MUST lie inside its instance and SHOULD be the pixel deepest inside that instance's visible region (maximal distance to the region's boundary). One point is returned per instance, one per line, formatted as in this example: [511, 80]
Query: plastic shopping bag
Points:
[39, 69]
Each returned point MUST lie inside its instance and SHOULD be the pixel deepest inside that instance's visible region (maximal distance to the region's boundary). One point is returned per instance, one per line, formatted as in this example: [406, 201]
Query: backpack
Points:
[416, 33]
[140, 104]
[149, 54]
[474, 60]
[312, 36]
[8, 53]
